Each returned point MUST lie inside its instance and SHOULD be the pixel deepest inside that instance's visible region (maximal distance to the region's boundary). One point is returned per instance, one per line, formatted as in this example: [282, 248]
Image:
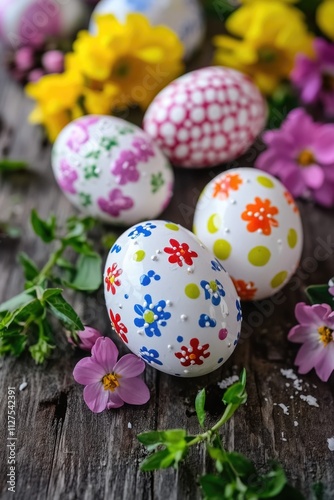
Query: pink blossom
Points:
[315, 77]
[316, 333]
[24, 58]
[87, 338]
[53, 61]
[35, 74]
[111, 383]
[301, 155]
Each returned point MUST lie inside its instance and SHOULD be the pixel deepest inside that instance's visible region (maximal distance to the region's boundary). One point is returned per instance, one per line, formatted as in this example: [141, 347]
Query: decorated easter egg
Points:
[251, 223]
[206, 117]
[111, 170]
[184, 17]
[170, 301]
[29, 22]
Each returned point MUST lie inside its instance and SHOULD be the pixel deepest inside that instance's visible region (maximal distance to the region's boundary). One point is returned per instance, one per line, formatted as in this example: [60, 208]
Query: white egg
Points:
[27, 22]
[170, 300]
[185, 17]
[249, 220]
[110, 169]
[206, 117]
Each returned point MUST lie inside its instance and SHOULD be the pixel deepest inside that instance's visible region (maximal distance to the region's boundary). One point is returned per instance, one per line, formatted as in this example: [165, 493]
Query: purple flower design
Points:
[111, 383]
[301, 154]
[80, 133]
[143, 149]
[315, 77]
[115, 203]
[125, 168]
[68, 177]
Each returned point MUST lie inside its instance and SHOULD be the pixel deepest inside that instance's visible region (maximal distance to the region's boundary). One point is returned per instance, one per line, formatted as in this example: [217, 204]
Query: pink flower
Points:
[111, 383]
[301, 155]
[315, 77]
[87, 338]
[316, 333]
[24, 58]
[53, 61]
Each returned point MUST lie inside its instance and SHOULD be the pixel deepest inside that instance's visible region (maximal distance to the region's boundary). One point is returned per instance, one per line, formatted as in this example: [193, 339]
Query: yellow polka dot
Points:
[265, 181]
[222, 249]
[292, 238]
[214, 223]
[139, 256]
[195, 230]
[279, 279]
[173, 227]
[259, 256]
[192, 291]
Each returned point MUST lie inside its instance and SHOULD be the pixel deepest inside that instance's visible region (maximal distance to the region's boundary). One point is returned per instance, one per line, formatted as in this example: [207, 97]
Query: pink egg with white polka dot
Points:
[206, 117]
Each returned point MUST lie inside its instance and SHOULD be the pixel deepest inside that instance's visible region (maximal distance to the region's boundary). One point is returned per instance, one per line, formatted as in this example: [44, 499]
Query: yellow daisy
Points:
[325, 18]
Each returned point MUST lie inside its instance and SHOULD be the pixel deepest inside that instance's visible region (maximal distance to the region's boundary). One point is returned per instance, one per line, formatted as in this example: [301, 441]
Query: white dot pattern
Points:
[207, 117]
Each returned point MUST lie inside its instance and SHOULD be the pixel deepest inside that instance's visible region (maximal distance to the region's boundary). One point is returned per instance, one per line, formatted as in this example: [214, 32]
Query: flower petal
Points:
[313, 176]
[309, 355]
[87, 371]
[326, 366]
[300, 333]
[105, 353]
[114, 401]
[323, 145]
[129, 366]
[312, 315]
[95, 397]
[134, 391]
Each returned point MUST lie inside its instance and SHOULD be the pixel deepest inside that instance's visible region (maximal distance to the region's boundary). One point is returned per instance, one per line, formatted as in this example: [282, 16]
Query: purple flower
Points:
[68, 177]
[315, 77]
[301, 154]
[80, 132]
[316, 333]
[115, 203]
[125, 168]
[143, 149]
[111, 383]
[87, 338]
[53, 61]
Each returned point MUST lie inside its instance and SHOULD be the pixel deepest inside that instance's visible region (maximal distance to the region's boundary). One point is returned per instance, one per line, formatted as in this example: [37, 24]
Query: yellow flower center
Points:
[121, 69]
[192, 356]
[149, 316]
[306, 158]
[213, 286]
[111, 278]
[267, 54]
[326, 335]
[328, 82]
[110, 381]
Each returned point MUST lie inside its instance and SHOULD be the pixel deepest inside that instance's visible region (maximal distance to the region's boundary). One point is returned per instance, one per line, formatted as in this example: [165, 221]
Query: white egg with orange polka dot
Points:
[251, 223]
[206, 117]
[170, 301]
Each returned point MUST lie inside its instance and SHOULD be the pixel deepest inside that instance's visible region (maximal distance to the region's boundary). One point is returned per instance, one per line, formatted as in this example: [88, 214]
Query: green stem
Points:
[44, 273]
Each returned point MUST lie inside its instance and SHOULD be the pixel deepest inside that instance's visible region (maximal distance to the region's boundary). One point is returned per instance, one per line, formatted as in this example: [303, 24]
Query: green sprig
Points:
[25, 319]
[236, 476]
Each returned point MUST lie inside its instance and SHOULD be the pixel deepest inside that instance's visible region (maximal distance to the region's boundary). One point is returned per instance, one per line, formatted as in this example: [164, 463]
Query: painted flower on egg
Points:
[180, 253]
[119, 327]
[193, 355]
[213, 291]
[111, 278]
[260, 216]
[151, 317]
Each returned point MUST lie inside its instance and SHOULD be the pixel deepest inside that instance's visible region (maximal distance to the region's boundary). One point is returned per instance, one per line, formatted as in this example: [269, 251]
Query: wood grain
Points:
[66, 452]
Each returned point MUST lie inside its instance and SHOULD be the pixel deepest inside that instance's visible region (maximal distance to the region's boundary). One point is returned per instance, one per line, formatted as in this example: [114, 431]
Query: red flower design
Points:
[246, 291]
[111, 278]
[221, 188]
[180, 253]
[192, 355]
[119, 327]
[260, 216]
[291, 201]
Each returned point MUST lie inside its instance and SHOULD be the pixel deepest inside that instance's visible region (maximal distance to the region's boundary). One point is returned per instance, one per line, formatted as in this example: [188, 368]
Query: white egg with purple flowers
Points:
[250, 221]
[170, 301]
[112, 170]
[184, 17]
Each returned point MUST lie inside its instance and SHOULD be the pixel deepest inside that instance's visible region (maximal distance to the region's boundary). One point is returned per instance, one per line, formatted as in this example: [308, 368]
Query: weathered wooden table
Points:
[66, 452]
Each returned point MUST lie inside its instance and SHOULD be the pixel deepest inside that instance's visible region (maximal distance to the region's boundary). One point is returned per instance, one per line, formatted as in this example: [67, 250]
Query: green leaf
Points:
[64, 312]
[12, 165]
[240, 464]
[199, 407]
[174, 435]
[272, 483]
[213, 487]
[44, 229]
[24, 314]
[319, 294]
[160, 460]
[43, 347]
[29, 267]
[18, 301]
[162, 437]
[50, 292]
[10, 231]
[88, 275]
[318, 490]
[236, 394]
[12, 342]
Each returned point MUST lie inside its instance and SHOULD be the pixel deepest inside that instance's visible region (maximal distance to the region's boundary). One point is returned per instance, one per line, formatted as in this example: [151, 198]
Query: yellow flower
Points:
[325, 18]
[134, 57]
[270, 34]
[57, 100]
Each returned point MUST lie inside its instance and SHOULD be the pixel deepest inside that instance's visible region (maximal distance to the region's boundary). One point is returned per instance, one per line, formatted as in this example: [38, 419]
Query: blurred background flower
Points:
[325, 18]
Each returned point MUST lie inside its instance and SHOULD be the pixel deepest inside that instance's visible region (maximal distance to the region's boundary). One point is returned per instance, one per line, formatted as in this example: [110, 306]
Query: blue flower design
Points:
[205, 321]
[145, 230]
[239, 311]
[237, 339]
[150, 355]
[213, 291]
[146, 279]
[140, 5]
[217, 266]
[116, 248]
[152, 317]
